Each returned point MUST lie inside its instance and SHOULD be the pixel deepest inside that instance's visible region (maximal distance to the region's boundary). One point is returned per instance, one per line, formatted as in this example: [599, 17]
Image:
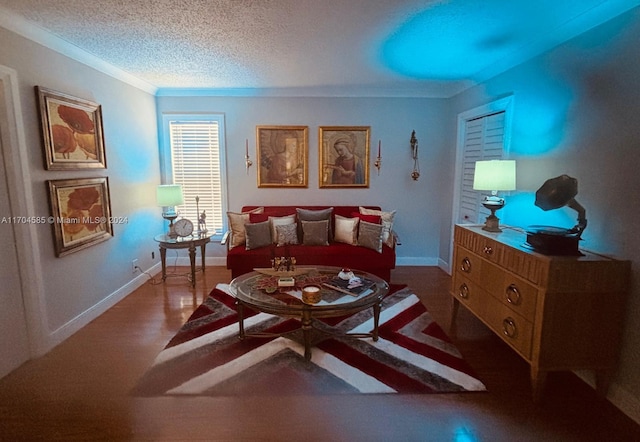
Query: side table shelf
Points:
[557, 312]
[187, 242]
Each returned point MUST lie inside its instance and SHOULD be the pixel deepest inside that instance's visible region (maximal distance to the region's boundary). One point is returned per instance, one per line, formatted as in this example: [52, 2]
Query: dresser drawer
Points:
[510, 326]
[469, 293]
[468, 264]
[510, 290]
[480, 245]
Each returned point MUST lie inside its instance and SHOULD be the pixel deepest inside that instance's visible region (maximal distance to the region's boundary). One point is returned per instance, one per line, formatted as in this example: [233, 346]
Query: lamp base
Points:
[170, 216]
[492, 223]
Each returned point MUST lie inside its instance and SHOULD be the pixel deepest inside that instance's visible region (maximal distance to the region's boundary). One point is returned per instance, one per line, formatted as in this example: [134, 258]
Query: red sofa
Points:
[241, 261]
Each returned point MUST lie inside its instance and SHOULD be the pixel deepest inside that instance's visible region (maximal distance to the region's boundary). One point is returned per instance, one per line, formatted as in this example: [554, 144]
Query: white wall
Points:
[76, 288]
[391, 120]
[576, 112]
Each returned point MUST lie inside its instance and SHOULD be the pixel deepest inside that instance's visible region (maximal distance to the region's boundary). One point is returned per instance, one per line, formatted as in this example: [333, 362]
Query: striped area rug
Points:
[206, 358]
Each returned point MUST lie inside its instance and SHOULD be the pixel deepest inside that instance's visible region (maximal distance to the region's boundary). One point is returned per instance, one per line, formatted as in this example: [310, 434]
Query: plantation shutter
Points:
[483, 140]
[196, 165]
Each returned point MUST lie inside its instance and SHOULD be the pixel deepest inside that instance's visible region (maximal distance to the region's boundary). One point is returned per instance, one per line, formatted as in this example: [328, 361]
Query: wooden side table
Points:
[187, 242]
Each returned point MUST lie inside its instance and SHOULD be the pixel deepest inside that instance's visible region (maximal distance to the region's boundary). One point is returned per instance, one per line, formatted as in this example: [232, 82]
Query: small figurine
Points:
[202, 224]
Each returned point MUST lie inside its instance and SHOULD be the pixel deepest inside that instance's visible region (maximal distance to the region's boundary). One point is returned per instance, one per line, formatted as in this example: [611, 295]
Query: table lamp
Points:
[494, 175]
[169, 196]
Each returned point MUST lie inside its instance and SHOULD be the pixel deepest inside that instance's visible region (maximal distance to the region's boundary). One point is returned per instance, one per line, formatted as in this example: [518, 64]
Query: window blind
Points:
[483, 140]
[196, 165]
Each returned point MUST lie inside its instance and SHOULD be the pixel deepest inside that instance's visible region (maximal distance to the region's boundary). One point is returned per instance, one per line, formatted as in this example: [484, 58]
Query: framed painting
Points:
[71, 131]
[80, 213]
[282, 156]
[344, 156]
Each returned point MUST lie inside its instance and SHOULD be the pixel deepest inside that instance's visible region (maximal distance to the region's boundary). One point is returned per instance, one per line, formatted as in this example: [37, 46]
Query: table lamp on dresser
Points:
[494, 175]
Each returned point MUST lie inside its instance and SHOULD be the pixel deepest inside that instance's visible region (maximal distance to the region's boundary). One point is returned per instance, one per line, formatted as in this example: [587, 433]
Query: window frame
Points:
[166, 166]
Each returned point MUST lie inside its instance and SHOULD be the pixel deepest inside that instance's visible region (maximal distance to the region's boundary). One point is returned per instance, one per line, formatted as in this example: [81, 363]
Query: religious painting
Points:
[71, 131]
[80, 213]
[282, 156]
[344, 156]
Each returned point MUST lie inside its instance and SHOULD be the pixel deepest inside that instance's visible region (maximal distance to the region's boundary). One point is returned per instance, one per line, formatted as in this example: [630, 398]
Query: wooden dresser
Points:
[557, 312]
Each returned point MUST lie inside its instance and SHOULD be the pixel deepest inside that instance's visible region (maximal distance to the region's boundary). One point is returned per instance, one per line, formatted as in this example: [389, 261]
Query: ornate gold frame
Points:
[72, 131]
[80, 213]
[331, 171]
[282, 156]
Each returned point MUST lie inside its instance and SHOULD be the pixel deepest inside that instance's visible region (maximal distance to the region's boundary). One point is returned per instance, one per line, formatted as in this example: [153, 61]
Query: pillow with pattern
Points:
[286, 234]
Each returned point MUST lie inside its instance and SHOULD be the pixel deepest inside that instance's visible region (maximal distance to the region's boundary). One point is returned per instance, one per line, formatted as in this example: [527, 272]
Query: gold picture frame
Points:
[80, 213]
[72, 131]
[282, 156]
[344, 156]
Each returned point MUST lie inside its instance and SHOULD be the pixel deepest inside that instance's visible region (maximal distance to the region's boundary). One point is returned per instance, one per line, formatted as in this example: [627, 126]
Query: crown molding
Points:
[33, 32]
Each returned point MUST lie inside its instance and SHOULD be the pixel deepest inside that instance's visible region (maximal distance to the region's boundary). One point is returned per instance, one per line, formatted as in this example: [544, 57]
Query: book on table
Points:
[351, 287]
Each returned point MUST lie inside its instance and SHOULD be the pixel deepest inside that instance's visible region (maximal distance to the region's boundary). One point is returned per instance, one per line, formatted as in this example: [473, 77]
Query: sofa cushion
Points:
[257, 235]
[374, 219]
[370, 236]
[275, 221]
[316, 215]
[346, 230]
[286, 234]
[315, 233]
[387, 222]
[236, 225]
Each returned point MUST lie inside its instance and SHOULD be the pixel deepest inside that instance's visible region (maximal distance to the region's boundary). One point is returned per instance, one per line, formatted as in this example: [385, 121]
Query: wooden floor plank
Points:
[80, 390]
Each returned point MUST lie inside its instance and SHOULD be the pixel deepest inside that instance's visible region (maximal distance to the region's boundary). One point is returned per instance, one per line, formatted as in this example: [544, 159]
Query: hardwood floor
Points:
[80, 390]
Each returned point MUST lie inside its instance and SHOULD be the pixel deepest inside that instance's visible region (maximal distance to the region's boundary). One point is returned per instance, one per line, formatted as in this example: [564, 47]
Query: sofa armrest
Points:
[225, 238]
[396, 239]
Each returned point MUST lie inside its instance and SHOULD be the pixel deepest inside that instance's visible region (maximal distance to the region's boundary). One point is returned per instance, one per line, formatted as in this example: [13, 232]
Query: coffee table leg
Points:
[376, 319]
[240, 318]
[306, 333]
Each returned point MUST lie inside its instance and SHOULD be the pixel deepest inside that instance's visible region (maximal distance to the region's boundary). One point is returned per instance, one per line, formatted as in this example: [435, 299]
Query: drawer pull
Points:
[509, 327]
[488, 250]
[466, 265]
[464, 291]
[513, 295]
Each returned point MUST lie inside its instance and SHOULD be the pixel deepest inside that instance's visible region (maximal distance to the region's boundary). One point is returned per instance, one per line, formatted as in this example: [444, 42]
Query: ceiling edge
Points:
[19, 25]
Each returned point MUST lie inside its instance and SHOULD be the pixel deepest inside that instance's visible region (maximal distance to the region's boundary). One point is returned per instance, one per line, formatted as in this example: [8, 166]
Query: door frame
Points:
[19, 184]
[505, 105]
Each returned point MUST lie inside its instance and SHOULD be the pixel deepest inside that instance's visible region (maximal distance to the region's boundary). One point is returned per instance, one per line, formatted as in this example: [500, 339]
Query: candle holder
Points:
[247, 161]
[415, 174]
[378, 162]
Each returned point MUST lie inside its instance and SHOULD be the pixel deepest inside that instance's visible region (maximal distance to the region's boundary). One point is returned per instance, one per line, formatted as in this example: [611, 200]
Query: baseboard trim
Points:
[72, 326]
[626, 402]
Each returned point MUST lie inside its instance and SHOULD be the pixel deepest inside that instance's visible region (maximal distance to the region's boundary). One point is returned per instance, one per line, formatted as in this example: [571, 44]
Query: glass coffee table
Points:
[259, 290]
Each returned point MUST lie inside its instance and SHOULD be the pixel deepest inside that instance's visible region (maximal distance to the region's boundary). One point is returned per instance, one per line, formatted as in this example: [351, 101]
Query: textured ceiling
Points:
[393, 47]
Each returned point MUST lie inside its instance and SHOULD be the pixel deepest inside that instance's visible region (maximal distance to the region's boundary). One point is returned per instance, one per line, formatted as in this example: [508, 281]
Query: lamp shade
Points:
[495, 175]
[169, 195]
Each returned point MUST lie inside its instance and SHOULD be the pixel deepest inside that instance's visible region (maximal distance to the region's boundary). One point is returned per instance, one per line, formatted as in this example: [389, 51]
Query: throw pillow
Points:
[236, 226]
[346, 230]
[370, 236]
[257, 235]
[315, 215]
[280, 221]
[387, 222]
[315, 233]
[286, 234]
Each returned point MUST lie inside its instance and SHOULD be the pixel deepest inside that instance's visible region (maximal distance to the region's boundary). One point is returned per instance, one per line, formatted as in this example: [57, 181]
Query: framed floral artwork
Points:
[344, 156]
[282, 156]
[80, 213]
[71, 131]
